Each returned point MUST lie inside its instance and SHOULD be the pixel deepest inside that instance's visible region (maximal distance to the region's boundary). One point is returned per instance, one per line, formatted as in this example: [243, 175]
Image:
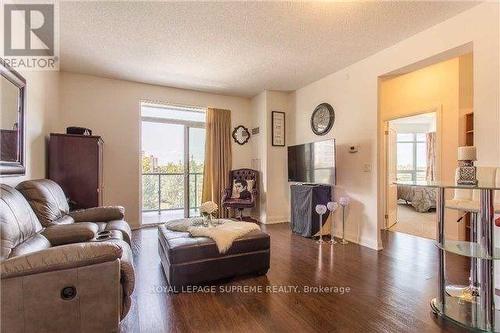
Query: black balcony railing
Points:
[163, 191]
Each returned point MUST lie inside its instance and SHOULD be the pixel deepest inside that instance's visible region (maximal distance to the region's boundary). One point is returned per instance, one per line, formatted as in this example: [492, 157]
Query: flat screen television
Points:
[312, 163]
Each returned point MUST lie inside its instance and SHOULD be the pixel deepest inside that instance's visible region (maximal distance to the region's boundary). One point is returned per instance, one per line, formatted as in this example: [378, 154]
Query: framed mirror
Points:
[241, 135]
[12, 107]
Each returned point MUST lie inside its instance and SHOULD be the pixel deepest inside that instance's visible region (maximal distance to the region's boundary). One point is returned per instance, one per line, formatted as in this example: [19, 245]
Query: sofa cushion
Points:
[180, 247]
[18, 222]
[35, 243]
[48, 201]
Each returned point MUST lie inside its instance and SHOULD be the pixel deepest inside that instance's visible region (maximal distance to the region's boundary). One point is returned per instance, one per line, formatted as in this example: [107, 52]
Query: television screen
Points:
[312, 162]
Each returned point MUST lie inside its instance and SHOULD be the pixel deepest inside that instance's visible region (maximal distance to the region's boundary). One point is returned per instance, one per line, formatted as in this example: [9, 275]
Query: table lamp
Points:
[466, 169]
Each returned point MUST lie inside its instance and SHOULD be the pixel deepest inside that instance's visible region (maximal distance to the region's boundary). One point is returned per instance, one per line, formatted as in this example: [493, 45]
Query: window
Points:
[173, 149]
[411, 156]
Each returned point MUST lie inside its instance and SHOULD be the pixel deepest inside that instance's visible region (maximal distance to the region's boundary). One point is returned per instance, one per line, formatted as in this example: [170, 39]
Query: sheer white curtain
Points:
[430, 171]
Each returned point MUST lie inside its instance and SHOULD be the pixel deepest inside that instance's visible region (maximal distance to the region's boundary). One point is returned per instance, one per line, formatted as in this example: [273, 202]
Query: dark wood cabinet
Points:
[75, 163]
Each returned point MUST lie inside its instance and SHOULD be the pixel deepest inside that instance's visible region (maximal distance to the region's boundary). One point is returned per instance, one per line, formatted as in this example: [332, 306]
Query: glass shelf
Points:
[468, 249]
[463, 313]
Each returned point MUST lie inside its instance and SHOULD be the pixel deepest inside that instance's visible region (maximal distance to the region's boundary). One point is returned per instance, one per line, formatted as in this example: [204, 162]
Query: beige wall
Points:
[41, 115]
[278, 207]
[258, 143]
[353, 92]
[274, 194]
[434, 87]
[111, 108]
[424, 90]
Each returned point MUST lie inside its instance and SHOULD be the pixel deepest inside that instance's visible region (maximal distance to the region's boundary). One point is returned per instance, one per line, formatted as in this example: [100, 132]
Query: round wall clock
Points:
[322, 119]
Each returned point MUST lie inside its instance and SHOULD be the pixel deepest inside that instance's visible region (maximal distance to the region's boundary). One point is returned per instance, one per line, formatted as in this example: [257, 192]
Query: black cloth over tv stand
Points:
[304, 198]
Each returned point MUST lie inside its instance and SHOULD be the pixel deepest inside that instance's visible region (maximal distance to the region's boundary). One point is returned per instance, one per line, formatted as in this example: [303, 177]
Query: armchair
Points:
[228, 201]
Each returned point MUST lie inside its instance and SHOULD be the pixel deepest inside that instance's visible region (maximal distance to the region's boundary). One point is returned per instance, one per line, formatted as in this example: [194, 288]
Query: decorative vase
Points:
[207, 220]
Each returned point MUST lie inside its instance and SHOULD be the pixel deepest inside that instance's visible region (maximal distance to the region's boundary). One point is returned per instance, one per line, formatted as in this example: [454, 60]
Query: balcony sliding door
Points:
[173, 145]
[196, 143]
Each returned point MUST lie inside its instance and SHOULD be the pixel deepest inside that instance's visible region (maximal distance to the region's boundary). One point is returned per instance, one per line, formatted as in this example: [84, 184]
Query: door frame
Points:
[438, 109]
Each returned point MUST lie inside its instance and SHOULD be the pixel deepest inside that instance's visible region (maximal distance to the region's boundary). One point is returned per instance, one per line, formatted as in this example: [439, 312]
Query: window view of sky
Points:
[166, 141]
[411, 156]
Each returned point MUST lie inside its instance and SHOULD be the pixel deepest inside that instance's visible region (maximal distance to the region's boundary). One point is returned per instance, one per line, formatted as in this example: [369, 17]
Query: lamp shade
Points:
[467, 153]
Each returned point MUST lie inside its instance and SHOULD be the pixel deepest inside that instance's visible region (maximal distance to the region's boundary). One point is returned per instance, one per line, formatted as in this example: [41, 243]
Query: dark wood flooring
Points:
[390, 290]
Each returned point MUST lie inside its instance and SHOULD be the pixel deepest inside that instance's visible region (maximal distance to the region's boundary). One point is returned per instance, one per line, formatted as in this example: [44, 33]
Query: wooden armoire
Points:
[75, 163]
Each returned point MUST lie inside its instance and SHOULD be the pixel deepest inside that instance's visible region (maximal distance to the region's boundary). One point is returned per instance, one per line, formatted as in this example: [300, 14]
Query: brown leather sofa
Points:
[60, 278]
[51, 207]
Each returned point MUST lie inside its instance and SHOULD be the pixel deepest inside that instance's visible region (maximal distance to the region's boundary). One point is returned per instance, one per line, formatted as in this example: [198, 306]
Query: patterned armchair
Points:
[240, 203]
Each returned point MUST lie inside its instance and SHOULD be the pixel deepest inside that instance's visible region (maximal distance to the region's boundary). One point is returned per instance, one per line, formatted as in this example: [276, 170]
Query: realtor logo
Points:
[29, 30]
[29, 36]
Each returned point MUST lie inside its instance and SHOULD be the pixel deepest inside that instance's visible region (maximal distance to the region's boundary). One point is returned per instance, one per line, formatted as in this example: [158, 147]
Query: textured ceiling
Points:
[235, 48]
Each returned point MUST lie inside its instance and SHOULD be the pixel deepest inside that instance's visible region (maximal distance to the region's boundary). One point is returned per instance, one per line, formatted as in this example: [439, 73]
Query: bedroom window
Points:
[411, 156]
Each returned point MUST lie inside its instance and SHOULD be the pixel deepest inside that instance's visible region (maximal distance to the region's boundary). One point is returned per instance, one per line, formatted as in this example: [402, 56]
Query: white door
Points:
[392, 189]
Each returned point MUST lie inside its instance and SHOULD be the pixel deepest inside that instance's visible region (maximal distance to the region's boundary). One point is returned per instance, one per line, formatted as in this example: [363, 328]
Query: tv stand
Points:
[304, 198]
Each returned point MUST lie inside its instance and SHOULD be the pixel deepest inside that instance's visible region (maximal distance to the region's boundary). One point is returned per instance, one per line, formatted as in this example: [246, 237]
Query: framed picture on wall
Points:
[278, 128]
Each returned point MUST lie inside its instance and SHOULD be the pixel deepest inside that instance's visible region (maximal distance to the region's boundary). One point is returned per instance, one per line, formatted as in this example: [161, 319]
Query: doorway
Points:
[411, 149]
[172, 160]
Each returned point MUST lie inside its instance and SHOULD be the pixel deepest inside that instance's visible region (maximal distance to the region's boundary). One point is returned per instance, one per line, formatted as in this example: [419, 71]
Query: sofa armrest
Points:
[59, 258]
[98, 214]
[70, 233]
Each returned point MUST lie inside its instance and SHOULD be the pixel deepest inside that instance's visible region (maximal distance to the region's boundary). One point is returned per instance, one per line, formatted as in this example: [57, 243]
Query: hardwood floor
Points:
[390, 290]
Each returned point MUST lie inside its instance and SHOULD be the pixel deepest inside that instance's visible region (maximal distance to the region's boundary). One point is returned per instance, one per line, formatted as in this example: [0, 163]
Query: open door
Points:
[392, 189]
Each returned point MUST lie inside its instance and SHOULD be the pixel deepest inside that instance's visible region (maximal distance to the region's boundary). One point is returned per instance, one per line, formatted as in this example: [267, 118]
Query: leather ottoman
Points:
[189, 261]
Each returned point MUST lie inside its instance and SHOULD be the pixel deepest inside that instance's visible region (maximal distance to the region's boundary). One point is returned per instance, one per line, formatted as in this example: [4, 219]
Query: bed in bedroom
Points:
[421, 198]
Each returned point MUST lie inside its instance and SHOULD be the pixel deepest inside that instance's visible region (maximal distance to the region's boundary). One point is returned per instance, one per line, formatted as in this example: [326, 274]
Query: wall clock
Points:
[322, 119]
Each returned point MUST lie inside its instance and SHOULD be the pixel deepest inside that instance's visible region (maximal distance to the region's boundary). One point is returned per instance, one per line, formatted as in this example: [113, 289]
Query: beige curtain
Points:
[430, 171]
[218, 157]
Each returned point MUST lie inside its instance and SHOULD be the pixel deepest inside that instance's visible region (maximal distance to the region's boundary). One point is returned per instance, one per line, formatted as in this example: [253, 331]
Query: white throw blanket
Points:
[224, 234]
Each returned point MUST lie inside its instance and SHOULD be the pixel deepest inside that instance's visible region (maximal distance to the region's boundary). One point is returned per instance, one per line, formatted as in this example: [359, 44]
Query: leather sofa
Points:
[60, 277]
[51, 207]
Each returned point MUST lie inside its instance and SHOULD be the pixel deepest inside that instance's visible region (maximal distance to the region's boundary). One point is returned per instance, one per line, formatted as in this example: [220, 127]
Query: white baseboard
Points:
[367, 242]
[276, 220]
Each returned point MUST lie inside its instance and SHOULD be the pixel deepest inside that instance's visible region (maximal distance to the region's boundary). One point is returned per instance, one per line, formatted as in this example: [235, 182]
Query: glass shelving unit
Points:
[477, 311]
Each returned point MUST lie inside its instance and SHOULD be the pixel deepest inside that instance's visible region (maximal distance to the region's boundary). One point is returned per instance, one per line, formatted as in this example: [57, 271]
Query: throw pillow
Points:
[242, 189]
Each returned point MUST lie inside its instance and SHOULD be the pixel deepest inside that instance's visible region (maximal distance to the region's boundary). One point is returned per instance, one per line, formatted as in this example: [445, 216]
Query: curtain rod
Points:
[159, 103]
